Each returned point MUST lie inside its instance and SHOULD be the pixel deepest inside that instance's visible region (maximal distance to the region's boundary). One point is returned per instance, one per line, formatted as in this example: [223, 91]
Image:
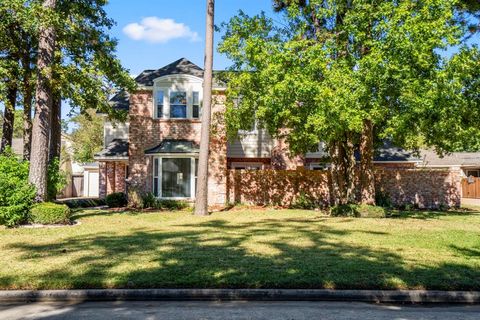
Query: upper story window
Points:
[159, 103]
[196, 105]
[178, 104]
[177, 97]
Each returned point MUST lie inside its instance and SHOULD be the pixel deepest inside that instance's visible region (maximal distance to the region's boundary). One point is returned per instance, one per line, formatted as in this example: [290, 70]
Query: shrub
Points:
[16, 194]
[303, 202]
[56, 179]
[84, 203]
[172, 205]
[150, 201]
[116, 200]
[383, 199]
[50, 213]
[359, 211]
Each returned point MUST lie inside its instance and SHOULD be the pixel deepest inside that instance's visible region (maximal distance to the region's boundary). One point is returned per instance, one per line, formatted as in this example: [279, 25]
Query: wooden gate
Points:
[471, 188]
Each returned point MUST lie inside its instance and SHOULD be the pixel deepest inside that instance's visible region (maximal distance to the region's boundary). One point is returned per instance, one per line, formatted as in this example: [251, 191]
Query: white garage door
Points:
[93, 180]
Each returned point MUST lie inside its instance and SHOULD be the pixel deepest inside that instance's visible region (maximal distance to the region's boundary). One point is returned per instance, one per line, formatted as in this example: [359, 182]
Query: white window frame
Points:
[192, 158]
[318, 165]
[248, 165]
[173, 83]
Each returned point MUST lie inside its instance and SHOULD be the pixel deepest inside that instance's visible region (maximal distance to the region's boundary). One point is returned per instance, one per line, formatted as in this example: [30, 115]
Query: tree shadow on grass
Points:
[430, 214]
[223, 254]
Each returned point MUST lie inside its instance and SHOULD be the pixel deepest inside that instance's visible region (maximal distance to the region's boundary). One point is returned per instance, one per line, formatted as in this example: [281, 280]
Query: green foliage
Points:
[383, 199]
[56, 179]
[17, 124]
[87, 136]
[172, 205]
[84, 203]
[116, 200]
[50, 213]
[16, 194]
[367, 61]
[358, 211]
[150, 201]
[303, 201]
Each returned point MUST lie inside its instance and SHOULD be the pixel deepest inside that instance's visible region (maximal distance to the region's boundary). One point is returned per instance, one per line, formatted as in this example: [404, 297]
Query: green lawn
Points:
[257, 249]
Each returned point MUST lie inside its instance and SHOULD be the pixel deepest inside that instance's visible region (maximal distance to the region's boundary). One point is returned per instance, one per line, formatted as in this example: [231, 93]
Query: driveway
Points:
[233, 310]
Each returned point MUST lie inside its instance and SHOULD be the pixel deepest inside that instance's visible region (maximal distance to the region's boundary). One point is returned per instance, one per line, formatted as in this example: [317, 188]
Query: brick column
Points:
[217, 174]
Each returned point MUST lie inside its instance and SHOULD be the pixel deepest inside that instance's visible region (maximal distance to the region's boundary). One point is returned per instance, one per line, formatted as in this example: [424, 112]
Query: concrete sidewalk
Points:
[233, 310]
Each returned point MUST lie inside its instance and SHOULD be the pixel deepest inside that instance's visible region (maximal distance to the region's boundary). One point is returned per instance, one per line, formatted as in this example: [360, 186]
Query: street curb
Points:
[373, 296]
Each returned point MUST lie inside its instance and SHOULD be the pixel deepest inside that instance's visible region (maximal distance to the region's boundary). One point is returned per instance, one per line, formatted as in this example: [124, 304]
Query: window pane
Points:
[178, 111]
[196, 98]
[159, 104]
[155, 167]
[196, 111]
[155, 187]
[176, 177]
[178, 97]
[178, 104]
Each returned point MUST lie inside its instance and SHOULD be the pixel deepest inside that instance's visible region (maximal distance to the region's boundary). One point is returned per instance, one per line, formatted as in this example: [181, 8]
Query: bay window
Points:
[174, 177]
[177, 103]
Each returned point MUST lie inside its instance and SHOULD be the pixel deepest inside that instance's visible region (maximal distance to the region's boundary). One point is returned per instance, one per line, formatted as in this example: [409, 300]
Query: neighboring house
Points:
[157, 149]
[82, 178]
[467, 162]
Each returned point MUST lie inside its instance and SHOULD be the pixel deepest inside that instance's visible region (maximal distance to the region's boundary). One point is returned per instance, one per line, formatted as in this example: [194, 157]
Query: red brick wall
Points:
[276, 187]
[146, 132]
[102, 192]
[421, 187]
[424, 188]
[112, 177]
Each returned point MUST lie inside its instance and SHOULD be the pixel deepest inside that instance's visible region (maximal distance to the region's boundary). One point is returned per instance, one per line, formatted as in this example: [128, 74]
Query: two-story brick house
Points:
[157, 148]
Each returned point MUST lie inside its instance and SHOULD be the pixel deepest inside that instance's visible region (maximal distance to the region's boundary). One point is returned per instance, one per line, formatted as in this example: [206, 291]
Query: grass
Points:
[246, 248]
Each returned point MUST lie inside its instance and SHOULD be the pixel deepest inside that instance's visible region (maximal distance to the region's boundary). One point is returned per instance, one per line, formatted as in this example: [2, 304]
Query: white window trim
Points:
[315, 165]
[174, 156]
[185, 83]
[259, 165]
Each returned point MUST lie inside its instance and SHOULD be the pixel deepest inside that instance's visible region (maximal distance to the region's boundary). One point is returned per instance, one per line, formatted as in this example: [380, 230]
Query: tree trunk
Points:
[56, 129]
[27, 104]
[201, 201]
[9, 116]
[350, 164]
[336, 170]
[343, 171]
[43, 105]
[367, 177]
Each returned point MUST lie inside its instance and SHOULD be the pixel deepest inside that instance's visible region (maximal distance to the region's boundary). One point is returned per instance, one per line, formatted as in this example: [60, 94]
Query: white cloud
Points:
[156, 30]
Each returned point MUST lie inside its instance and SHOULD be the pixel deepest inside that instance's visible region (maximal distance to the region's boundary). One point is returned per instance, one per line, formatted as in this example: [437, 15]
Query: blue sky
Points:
[148, 39]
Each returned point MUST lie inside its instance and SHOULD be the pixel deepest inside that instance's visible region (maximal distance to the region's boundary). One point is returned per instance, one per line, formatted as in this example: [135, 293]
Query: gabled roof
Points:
[431, 158]
[117, 149]
[121, 101]
[387, 152]
[174, 146]
[181, 66]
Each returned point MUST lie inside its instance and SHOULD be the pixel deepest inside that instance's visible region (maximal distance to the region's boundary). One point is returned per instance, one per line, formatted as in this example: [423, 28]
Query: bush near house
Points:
[16, 194]
[150, 201]
[50, 213]
[359, 211]
[116, 200]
